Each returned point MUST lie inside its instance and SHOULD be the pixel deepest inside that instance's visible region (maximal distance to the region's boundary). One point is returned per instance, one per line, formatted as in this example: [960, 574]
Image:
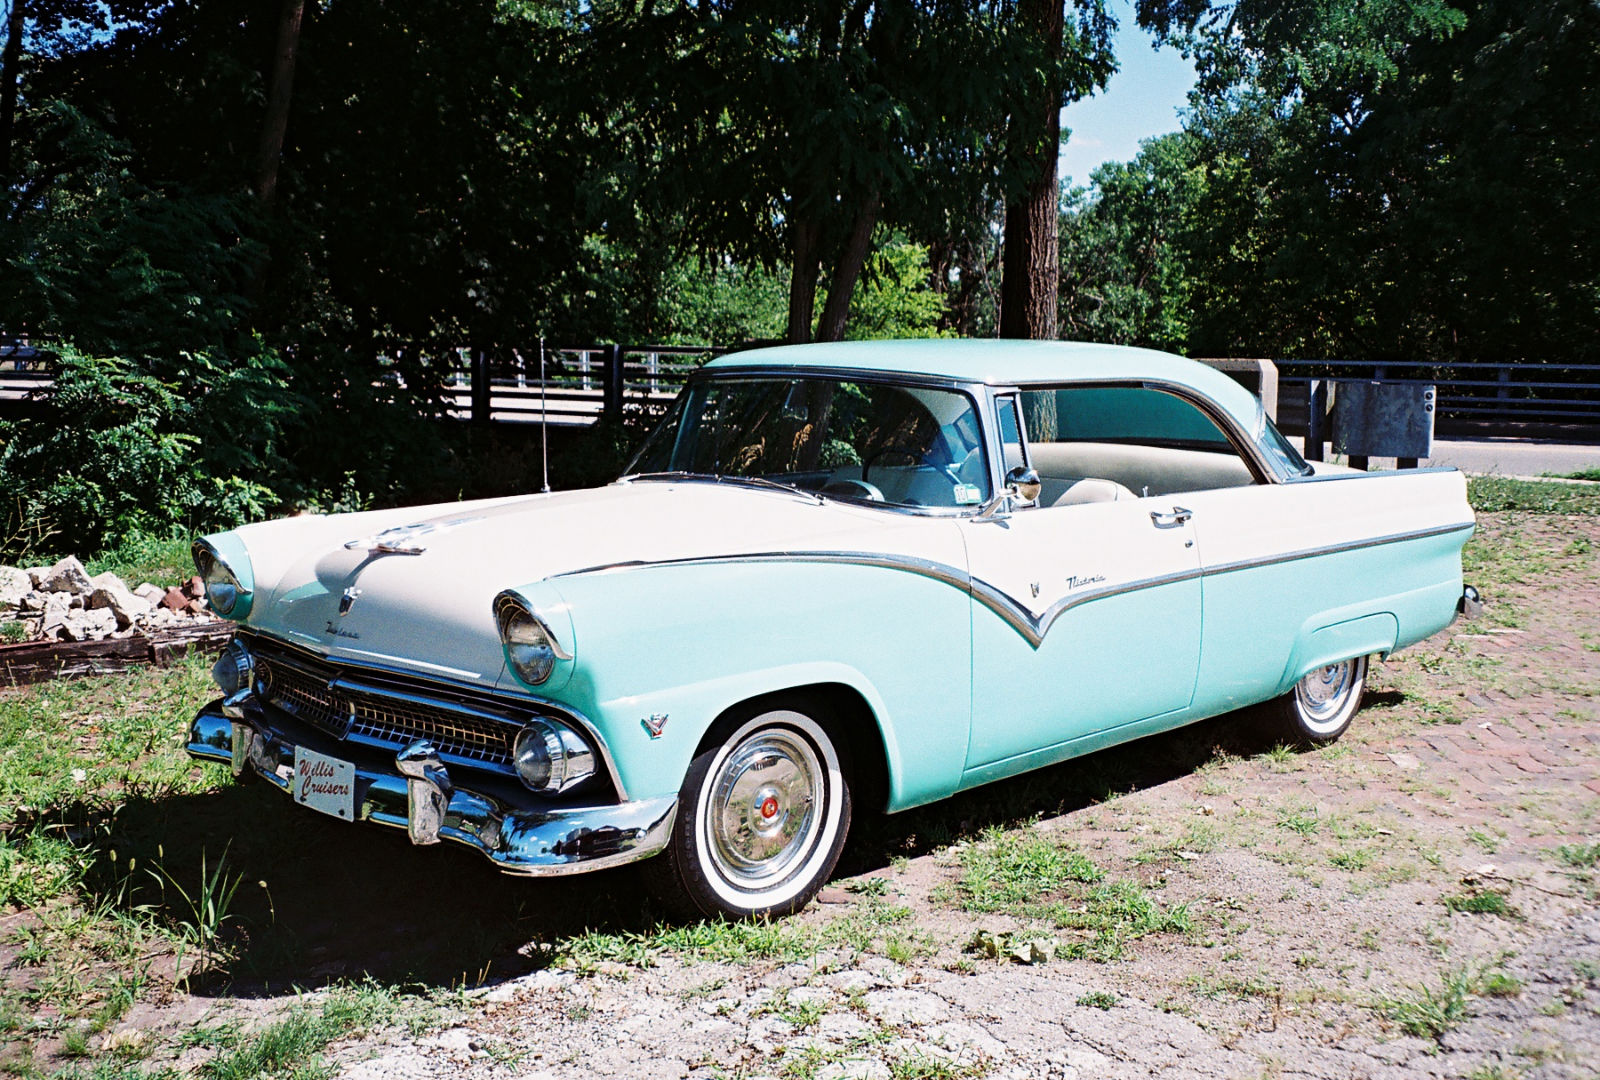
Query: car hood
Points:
[322, 582]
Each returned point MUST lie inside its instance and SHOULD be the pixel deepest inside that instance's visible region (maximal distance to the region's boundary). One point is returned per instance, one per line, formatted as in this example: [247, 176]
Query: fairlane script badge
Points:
[324, 783]
[336, 632]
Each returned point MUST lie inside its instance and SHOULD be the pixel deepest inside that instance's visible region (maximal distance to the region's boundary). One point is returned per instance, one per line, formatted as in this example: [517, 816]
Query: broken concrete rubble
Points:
[63, 602]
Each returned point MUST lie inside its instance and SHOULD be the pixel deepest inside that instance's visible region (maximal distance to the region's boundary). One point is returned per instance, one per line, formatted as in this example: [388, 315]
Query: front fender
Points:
[689, 642]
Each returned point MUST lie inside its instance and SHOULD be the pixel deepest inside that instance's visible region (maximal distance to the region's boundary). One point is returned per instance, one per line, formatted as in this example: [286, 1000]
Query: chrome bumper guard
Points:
[420, 797]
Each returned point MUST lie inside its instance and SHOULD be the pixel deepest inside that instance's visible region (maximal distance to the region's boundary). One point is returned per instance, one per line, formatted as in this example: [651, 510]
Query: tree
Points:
[1125, 277]
[1072, 69]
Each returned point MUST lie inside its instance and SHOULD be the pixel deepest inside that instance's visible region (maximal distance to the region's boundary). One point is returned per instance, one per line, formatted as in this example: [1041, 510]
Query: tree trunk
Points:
[11, 75]
[802, 283]
[279, 93]
[842, 283]
[1031, 273]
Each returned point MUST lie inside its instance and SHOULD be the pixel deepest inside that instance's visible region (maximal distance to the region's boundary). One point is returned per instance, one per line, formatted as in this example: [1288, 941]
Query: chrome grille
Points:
[302, 695]
[464, 736]
[312, 692]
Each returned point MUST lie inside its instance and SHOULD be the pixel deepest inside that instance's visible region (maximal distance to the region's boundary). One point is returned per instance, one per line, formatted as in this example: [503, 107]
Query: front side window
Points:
[877, 442]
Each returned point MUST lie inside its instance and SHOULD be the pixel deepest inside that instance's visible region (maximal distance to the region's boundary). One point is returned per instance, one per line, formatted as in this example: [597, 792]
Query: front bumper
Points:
[416, 793]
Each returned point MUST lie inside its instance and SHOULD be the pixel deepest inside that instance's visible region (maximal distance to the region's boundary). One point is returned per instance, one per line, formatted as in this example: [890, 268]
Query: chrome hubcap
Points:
[1324, 694]
[764, 806]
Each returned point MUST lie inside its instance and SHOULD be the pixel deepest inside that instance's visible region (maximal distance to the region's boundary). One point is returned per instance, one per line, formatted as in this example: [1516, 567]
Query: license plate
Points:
[325, 784]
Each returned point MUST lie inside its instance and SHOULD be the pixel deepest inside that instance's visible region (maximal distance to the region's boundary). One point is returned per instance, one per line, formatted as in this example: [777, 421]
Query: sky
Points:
[1142, 99]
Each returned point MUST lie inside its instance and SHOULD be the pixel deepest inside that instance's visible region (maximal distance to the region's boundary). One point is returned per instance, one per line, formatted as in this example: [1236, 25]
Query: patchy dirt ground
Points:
[1417, 900]
[1327, 892]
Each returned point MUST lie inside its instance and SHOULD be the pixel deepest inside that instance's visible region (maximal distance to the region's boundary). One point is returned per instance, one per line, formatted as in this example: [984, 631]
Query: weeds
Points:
[1004, 870]
[1429, 1012]
[1579, 856]
[1481, 902]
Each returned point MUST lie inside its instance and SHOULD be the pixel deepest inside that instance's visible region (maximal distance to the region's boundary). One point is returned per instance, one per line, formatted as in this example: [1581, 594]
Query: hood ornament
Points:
[404, 539]
[347, 600]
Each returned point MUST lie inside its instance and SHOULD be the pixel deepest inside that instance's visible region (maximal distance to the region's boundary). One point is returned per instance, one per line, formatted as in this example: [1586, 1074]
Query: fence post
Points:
[1316, 418]
[480, 386]
[612, 407]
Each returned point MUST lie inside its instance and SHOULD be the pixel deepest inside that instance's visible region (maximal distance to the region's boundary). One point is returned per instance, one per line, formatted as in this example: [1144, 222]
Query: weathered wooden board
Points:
[37, 661]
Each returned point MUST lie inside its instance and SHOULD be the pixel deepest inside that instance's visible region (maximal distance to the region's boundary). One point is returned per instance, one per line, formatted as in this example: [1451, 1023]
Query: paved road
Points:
[1506, 457]
[1514, 457]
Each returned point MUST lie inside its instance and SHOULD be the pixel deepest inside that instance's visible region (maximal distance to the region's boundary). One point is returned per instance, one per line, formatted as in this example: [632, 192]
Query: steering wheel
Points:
[859, 488]
[914, 455]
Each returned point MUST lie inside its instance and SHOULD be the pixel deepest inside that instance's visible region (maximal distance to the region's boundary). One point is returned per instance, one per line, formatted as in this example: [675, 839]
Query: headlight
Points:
[552, 758]
[226, 592]
[231, 672]
[531, 649]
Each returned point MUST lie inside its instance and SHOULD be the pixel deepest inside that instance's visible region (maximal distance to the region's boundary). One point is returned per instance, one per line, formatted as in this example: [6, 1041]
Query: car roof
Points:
[1003, 363]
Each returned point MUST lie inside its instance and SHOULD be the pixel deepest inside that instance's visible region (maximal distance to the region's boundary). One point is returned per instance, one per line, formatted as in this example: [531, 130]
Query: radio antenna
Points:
[544, 418]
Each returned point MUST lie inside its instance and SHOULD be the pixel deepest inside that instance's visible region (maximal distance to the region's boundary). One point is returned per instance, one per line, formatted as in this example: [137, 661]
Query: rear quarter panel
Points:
[1299, 575]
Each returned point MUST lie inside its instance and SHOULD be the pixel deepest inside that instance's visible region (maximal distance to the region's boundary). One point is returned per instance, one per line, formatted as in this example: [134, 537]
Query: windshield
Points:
[901, 445]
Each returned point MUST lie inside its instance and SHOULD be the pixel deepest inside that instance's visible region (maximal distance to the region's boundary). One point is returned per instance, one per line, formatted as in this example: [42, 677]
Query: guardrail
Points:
[1471, 396]
[580, 384]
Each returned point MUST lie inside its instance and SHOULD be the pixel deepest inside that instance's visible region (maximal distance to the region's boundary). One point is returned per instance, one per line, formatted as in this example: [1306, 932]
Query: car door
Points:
[1086, 618]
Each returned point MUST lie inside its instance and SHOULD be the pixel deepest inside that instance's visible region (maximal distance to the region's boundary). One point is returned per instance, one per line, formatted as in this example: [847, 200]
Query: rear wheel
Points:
[1321, 705]
[762, 818]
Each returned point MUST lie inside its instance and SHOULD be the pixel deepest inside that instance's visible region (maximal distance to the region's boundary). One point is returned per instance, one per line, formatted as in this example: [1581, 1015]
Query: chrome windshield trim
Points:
[560, 709]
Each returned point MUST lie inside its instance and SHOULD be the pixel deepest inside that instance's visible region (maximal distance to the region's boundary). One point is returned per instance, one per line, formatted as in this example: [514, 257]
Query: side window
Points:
[1012, 453]
[1106, 443]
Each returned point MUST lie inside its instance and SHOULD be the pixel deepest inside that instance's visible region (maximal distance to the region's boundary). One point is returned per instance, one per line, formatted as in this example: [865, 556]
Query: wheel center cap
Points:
[769, 807]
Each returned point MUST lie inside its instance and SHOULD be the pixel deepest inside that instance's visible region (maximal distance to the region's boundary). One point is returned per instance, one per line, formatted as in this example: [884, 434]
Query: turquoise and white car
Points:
[836, 578]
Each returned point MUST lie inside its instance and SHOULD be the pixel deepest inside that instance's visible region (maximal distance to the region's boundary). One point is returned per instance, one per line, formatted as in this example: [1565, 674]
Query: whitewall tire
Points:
[762, 818]
[1321, 705]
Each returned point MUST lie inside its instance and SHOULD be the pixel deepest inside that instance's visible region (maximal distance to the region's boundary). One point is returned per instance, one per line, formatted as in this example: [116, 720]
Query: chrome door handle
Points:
[1170, 521]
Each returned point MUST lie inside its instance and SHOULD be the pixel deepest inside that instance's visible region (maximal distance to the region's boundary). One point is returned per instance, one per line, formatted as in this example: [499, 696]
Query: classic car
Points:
[836, 578]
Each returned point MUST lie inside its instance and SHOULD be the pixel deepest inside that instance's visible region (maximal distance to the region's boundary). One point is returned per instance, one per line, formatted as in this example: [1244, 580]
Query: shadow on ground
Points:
[318, 900]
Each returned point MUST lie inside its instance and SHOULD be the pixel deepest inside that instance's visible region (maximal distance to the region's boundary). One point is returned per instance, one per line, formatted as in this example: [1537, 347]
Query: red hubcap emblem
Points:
[769, 807]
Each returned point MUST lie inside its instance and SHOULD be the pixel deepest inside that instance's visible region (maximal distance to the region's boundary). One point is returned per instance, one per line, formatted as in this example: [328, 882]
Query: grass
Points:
[292, 1047]
[1591, 473]
[1006, 869]
[871, 926]
[1098, 999]
[1481, 902]
[1428, 1012]
[1490, 493]
[140, 558]
[1579, 856]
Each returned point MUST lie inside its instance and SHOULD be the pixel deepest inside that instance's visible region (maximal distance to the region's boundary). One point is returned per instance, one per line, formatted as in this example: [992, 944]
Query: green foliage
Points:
[895, 298]
[114, 454]
[1397, 179]
[1123, 275]
[140, 557]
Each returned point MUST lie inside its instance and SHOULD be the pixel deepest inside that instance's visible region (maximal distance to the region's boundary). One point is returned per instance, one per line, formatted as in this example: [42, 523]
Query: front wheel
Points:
[1321, 705]
[762, 818]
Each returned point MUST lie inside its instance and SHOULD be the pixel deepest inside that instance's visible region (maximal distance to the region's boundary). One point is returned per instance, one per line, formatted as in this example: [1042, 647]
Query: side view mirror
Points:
[1024, 482]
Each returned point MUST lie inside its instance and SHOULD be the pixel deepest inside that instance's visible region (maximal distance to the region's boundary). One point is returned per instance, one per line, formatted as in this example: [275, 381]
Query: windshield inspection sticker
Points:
[968, 495]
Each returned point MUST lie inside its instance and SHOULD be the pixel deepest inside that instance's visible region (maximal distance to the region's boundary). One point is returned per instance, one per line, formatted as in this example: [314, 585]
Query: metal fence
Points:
[24, 369]
[582, 383]
[1471, 396]
[578, 385]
